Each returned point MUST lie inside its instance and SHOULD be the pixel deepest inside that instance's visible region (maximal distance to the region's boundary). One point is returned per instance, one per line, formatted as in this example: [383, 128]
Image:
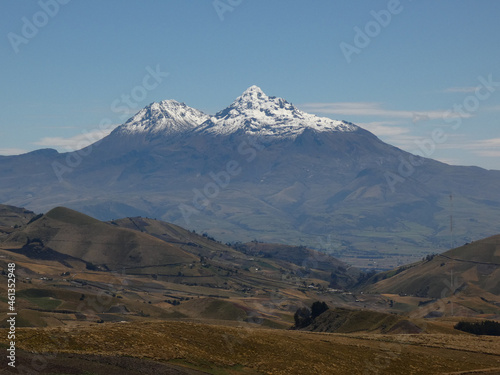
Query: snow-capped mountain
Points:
[166, 118]
[260, 169]
[252, 113]
[255, 113]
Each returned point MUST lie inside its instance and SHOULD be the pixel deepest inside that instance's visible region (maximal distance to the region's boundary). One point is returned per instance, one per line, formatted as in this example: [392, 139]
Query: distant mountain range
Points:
[262, 169]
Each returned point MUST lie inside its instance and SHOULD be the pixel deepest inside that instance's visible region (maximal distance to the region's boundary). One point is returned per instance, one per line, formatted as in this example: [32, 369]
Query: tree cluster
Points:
[486, 327]
[305, 316]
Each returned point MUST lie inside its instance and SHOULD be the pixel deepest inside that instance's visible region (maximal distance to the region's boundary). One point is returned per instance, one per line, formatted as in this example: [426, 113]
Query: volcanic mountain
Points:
[262, 169]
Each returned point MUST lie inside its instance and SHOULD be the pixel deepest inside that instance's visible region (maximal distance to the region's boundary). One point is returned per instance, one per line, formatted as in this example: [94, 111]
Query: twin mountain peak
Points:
[252, 113]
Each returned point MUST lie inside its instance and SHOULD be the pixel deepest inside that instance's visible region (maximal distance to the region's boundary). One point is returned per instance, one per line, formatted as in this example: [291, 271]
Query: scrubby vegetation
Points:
[305, 316]
[486, 327]
[217, 349]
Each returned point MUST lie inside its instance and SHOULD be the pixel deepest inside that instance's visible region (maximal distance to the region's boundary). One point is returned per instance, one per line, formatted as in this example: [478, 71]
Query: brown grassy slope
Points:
[271, 256]
[240, 296]
[176, 235]
[346, 276]
[348, 321]
[475, 265]
[84, 364]
[11, 216]
[72, 233]
[233, 350]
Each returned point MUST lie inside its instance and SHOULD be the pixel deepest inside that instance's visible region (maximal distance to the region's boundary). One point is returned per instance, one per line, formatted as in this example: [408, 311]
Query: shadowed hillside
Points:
[347, 321]
[11, 217]
[80, 236]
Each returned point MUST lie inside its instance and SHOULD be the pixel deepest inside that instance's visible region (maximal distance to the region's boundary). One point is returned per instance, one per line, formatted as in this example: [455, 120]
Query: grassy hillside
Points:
[147, 269]
[170, 273]
[80, 236]
[198, 244]
[11, 217]
[268, 258]
[319, 265]
[217, 349]
[348, 321]
[464, 280]
[184, 300]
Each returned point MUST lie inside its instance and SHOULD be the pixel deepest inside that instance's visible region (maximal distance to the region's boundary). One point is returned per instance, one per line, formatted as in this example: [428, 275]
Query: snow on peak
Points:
[166, 117]
[252, 113]
[253, 92]
[255, 113]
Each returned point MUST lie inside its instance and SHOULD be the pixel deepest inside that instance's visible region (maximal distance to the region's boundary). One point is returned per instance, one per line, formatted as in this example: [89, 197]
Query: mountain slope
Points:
[304, 262]
[11, 216]
[145, 246]
[262, 169]
[80, 236]
[341, 320]
[474, 269]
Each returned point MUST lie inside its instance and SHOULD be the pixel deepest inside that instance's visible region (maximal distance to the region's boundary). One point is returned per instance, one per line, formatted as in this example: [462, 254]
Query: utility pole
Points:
[451, 248]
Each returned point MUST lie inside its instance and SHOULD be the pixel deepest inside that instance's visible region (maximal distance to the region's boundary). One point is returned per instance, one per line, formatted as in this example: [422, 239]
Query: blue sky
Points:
[421, 75]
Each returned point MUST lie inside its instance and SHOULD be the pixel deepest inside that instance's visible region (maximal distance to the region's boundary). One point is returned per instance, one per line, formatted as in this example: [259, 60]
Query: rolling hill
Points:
[81, 237]
[306, 261]
[146, 269]
[461, 281]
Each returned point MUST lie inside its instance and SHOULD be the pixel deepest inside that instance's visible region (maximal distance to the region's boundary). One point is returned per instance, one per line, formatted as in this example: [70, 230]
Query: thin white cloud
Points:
[57, 127]
[12, 151]
[486, 148]
[395, 134]
[463, 90]
[376, 109]
[489, 148]
[488, 153]
[384, 128]
[450, 161]
[76, 142]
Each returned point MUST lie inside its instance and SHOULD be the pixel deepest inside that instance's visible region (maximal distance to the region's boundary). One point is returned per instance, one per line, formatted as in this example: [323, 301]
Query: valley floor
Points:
[192, 348]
